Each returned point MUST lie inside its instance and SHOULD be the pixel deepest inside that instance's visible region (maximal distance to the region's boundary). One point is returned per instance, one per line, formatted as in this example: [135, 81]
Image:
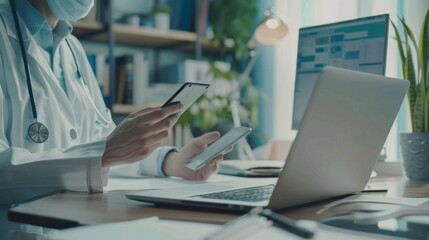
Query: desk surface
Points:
[71, 209]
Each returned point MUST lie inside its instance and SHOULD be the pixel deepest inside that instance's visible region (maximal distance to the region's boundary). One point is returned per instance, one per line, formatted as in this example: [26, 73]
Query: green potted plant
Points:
[161, 15]
[414, 58]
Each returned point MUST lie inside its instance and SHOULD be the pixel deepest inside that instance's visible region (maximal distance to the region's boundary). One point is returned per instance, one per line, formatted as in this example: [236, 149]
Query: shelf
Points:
[124, 109]
[141, 36]
[83, 28]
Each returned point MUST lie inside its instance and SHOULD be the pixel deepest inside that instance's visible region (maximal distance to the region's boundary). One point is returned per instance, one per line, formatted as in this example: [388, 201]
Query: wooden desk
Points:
[70, 209]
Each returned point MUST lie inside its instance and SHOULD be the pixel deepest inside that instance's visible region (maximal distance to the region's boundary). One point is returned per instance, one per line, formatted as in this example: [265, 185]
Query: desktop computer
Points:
[359, 44]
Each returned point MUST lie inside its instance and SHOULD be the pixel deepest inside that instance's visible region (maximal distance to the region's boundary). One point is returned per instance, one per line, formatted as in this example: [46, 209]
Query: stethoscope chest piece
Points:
[38, 132]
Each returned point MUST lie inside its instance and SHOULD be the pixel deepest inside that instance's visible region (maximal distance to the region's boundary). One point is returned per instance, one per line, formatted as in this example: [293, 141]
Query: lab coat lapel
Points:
[30, 45]
[34, 52]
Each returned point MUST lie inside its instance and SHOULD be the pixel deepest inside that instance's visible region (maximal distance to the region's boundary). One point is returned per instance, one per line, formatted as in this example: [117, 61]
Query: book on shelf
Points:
[132, 79]
[100, 66]
[182, 15]
[204, 17]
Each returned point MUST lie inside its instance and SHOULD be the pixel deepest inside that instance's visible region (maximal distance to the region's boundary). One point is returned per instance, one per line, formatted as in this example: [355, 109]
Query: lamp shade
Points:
[271, 30]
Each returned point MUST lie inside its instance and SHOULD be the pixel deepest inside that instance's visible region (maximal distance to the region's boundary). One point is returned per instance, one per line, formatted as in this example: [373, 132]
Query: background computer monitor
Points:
[359, 44]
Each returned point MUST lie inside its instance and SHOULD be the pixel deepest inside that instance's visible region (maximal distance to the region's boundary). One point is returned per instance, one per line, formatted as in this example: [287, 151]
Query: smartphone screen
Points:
[187, 94]
[231, 137]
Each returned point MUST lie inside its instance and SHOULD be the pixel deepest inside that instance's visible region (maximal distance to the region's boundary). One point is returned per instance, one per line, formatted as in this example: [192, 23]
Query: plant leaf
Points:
[409, 32]
[427, 112]
[410, 75]
[423, 53]
[399, 43]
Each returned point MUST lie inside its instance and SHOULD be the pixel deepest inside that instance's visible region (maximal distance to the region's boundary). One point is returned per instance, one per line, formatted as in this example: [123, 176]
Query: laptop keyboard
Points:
[252, 194]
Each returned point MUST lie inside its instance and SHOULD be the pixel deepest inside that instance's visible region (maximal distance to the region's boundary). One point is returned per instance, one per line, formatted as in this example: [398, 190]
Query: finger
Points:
[156, 139]
[229, 149]
[148, 131]
[212, 167]
[142, 149]
[146, 110]
[161, 136]
[218, 159]
[142, 111]
[158, 114]
[166, 123]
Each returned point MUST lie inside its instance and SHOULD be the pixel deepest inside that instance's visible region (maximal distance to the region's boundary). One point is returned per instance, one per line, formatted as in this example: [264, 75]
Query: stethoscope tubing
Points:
[24, 58]
[86, 89]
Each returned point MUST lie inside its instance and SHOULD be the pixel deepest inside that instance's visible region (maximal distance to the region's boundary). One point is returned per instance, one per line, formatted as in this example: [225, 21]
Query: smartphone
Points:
[187, 94]
[231, 137]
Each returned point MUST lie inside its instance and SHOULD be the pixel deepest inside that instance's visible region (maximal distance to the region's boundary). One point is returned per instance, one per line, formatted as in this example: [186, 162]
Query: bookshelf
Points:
[112, 33]
[141, 36]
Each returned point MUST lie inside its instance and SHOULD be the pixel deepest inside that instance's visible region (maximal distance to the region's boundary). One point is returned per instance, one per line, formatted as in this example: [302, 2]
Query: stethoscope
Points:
[37, 131]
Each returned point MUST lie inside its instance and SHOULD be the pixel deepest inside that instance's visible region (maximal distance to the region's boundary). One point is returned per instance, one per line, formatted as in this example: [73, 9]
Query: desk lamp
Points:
[269, 32]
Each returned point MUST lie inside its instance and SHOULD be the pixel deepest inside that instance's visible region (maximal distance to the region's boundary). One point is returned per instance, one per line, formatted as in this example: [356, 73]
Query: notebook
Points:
[252, 168]
[339, 140]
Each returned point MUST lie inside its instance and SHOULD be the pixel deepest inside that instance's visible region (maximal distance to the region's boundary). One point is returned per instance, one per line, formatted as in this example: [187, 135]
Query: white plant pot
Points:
[162, 21]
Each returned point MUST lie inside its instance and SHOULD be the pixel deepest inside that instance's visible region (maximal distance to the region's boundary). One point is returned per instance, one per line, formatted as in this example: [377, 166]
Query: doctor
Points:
[55, 130]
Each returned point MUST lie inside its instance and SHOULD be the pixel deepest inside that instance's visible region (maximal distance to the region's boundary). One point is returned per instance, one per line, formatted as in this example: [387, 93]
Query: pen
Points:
[285, 223]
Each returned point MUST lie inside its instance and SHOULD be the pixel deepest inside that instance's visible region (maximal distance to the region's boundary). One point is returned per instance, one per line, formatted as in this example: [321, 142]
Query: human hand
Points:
[139, 134]
[174, 163]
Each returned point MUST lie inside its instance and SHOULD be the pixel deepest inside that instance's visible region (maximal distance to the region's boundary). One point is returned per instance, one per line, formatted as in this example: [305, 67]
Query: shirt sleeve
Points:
[152, 165]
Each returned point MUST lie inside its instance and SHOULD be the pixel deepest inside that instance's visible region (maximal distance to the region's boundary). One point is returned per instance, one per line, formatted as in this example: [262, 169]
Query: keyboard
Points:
[251, 194]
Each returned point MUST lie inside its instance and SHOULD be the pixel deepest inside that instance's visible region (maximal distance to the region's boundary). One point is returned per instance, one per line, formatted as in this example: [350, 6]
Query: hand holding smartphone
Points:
[187, 94]
[231, 137]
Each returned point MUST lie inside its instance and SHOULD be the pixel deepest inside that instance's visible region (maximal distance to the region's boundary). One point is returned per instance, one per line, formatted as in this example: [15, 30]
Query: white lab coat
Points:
[29, 170]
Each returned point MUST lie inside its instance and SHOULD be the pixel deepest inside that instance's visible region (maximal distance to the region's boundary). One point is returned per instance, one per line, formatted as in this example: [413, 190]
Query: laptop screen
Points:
[359, 44]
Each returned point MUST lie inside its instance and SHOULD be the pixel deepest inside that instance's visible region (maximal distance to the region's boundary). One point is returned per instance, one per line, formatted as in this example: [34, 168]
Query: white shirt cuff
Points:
[152, 165]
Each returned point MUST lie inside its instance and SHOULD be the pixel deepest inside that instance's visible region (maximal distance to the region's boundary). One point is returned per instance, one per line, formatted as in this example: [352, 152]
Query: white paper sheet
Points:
[153, 228]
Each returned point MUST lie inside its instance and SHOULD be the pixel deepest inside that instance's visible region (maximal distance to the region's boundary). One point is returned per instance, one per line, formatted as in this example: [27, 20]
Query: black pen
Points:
[286, 224]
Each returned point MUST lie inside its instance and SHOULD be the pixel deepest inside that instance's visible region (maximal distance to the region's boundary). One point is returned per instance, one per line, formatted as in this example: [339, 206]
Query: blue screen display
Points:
[359, 44]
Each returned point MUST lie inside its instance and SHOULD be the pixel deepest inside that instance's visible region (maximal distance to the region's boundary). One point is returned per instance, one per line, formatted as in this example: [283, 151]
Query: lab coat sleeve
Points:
[25, 175]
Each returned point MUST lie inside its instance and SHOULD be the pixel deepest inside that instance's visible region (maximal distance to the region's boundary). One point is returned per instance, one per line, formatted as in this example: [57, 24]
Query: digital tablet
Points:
[187, 94]
[231, 137]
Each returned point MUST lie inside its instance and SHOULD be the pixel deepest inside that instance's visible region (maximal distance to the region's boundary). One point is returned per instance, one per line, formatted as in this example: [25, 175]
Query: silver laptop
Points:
[340, 138]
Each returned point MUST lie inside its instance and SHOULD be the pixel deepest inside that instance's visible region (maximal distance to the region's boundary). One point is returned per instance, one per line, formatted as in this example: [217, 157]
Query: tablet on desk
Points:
[252, 168]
